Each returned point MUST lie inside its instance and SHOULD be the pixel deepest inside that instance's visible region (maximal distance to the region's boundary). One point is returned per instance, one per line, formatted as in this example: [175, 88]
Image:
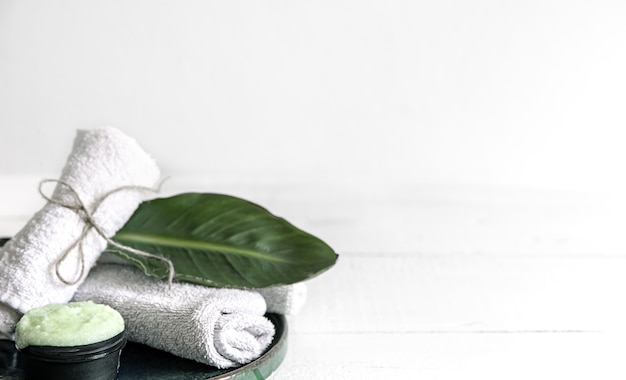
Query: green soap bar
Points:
[71, 324]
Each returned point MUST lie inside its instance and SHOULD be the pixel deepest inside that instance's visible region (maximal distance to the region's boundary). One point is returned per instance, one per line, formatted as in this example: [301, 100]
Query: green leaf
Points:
[222, 241]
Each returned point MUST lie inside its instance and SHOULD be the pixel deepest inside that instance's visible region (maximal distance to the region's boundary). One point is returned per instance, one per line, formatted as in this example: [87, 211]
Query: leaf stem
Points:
[177, 242]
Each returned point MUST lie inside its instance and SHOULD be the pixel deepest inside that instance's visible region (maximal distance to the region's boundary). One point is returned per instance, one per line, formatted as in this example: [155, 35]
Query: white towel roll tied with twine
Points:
[106, 176]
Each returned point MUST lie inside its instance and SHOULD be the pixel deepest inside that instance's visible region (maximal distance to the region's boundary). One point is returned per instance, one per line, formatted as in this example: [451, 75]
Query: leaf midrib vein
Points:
[178, 242]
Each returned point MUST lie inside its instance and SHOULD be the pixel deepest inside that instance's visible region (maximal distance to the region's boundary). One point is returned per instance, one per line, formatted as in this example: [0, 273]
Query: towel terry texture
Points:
[216, 326]
[101, 160]
[283, 299]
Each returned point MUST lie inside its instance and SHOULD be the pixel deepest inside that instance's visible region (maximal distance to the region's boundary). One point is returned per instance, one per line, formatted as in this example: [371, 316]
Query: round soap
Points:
[71, 324]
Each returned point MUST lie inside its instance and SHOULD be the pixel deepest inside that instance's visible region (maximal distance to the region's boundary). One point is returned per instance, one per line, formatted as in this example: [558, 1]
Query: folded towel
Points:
[220, 327]
[102, 160]
[283, 299]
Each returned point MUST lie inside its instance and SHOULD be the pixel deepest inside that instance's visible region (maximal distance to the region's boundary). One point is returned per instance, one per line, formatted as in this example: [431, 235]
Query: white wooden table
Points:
[441, 282]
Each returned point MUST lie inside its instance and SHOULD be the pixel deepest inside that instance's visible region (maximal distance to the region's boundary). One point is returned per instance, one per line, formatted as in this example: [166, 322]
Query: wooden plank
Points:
[459, 293]
[453, 356]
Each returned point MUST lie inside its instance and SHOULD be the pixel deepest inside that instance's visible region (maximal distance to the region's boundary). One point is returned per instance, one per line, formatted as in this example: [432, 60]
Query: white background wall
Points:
[528, 93]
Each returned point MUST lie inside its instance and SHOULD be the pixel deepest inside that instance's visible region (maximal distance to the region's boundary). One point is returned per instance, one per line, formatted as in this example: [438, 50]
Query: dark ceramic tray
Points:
[140, 362]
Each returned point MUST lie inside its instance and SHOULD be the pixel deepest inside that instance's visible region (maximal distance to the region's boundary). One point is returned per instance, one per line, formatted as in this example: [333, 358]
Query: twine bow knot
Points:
[79, 207]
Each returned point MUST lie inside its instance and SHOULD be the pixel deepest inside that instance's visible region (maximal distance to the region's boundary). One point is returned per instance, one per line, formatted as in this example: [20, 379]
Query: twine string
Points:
[79, 207]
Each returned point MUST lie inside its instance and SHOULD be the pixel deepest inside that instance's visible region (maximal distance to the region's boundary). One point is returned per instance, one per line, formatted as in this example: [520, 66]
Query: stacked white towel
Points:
[102, 160]
[216, 326]
[282, 299]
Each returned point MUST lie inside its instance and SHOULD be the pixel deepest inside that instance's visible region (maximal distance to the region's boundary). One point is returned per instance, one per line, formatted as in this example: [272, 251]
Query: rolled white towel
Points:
[282, 299]
[102, 160]
[216, 326]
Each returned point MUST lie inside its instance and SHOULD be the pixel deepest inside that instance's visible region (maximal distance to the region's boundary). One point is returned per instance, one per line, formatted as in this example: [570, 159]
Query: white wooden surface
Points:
[441, 282]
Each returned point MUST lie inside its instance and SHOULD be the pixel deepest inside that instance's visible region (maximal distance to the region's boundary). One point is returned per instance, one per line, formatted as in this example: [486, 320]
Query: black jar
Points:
[96, 361]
